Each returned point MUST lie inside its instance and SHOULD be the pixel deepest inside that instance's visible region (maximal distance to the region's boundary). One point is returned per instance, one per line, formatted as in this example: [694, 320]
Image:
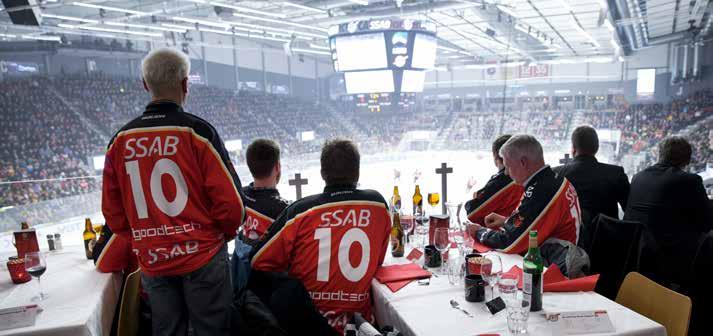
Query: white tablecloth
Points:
[425, 310]
[81, 300]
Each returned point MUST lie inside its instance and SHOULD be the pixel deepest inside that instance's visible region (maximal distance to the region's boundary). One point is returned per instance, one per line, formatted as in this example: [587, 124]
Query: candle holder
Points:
[18, 273]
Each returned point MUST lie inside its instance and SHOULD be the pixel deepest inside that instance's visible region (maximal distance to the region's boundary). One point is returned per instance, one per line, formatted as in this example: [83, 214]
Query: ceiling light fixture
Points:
[248, 10]
[317, 46]
[109, 30]
[296, 5]
[268, 28]
[109, 8]
[122, 24]
[203, 22]
[42, 38]
[68, 18]
[310, 51]
[284, 22]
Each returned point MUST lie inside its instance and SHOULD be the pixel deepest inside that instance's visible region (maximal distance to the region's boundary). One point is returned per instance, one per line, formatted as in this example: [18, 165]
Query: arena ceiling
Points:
[470, 31]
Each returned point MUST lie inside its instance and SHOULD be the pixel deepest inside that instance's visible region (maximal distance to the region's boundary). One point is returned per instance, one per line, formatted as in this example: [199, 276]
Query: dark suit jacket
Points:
[670, 203]
[600, 186]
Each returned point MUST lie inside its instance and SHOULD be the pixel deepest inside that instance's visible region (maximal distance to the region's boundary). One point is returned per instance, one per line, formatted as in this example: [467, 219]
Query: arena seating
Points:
[56, 124]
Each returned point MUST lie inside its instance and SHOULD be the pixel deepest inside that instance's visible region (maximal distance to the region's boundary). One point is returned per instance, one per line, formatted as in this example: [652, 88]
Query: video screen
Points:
[424, 52]
[645, 82]
[413, 81]
[361, 52]
[369, 81]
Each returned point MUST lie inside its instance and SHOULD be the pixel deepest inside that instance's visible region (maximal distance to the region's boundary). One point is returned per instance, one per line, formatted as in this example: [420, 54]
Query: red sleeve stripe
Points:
[542, 213]
[107, 246]
[258, 214]
[274, 238]
[492, 198]
[305, 213]
[196, 136]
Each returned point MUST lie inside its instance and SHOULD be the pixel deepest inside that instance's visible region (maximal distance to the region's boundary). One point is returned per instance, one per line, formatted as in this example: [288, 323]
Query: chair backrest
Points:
[129, 308]
[646, 297]
[614, 252]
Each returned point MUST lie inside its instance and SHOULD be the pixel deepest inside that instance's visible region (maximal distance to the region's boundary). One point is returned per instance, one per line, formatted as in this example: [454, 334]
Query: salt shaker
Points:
[58, 241]
[50, 242]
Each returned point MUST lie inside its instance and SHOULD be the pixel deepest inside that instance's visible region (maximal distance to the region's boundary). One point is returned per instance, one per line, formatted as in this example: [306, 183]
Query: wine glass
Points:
[35, 265]
[455, 225]
[491, 271]
[433, 199]
[407, 224]
[442, 243]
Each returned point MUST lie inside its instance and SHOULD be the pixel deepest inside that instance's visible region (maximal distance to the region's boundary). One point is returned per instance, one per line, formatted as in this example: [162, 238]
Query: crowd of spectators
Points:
[44, 137]
[41, 139]
[644, 125]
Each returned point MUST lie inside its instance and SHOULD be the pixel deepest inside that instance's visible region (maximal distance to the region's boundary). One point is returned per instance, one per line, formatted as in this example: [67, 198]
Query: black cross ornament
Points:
[444, 171]
[298, 182]
[565, 160]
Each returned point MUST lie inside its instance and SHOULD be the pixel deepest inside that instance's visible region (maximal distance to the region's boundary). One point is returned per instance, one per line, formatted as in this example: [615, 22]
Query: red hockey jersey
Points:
[169, 187]
[549, 205]
[501, 195]
[333, 242]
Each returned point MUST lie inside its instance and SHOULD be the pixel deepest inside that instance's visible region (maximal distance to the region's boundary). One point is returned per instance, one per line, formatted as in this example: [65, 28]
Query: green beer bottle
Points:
[532, 273]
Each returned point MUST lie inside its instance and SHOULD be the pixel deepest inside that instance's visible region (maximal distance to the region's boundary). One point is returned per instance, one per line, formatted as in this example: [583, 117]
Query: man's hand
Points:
[494, 221]
[472, 229]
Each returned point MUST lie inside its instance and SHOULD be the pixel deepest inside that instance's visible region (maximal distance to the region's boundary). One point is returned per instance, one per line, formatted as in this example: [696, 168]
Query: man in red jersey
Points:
[170, 188]
[500, 195]
[262, 200]
[549, 203]
[334, 241]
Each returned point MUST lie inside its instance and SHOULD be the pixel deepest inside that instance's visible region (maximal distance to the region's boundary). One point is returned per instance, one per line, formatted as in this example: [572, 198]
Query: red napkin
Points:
[554, 281]
[396, 285]
[480, 247]
[516, 271]
[400, 273]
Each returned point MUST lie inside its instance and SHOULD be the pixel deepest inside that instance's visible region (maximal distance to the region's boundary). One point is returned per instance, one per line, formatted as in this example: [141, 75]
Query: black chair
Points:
[613, 252]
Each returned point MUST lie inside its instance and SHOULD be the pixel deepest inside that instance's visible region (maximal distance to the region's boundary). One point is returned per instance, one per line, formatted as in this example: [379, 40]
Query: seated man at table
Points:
[262, 205]
[600, 186]
[262, 200]
[672, 206]
[500, 195]
[549, 203]
[332, 242]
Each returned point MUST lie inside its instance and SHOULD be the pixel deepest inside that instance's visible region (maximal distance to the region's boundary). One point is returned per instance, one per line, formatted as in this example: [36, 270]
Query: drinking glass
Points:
[456, 271]
[455, 225]
[433, 199]
[35, 265]
[507, 285]
[407, 223]
[442, 243]
[492, 272]
[518, 311]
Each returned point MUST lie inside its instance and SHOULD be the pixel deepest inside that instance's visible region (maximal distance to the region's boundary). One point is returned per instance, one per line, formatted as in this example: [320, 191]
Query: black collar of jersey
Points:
[585, 158]
[337, 187]
[261, 190]
[163, 106]
[542, 174]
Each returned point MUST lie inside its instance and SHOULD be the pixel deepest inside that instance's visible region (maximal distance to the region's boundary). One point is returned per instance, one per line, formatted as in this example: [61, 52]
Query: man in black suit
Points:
[600, 186]
[671, 204]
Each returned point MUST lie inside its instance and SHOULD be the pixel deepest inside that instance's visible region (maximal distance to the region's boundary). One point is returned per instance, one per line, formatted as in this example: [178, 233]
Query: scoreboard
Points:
[384, 102]
[383, 56]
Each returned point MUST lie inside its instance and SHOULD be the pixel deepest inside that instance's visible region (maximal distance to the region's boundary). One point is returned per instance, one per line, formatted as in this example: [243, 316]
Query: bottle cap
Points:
[50, 236]
[533, 233]
[56, 235]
